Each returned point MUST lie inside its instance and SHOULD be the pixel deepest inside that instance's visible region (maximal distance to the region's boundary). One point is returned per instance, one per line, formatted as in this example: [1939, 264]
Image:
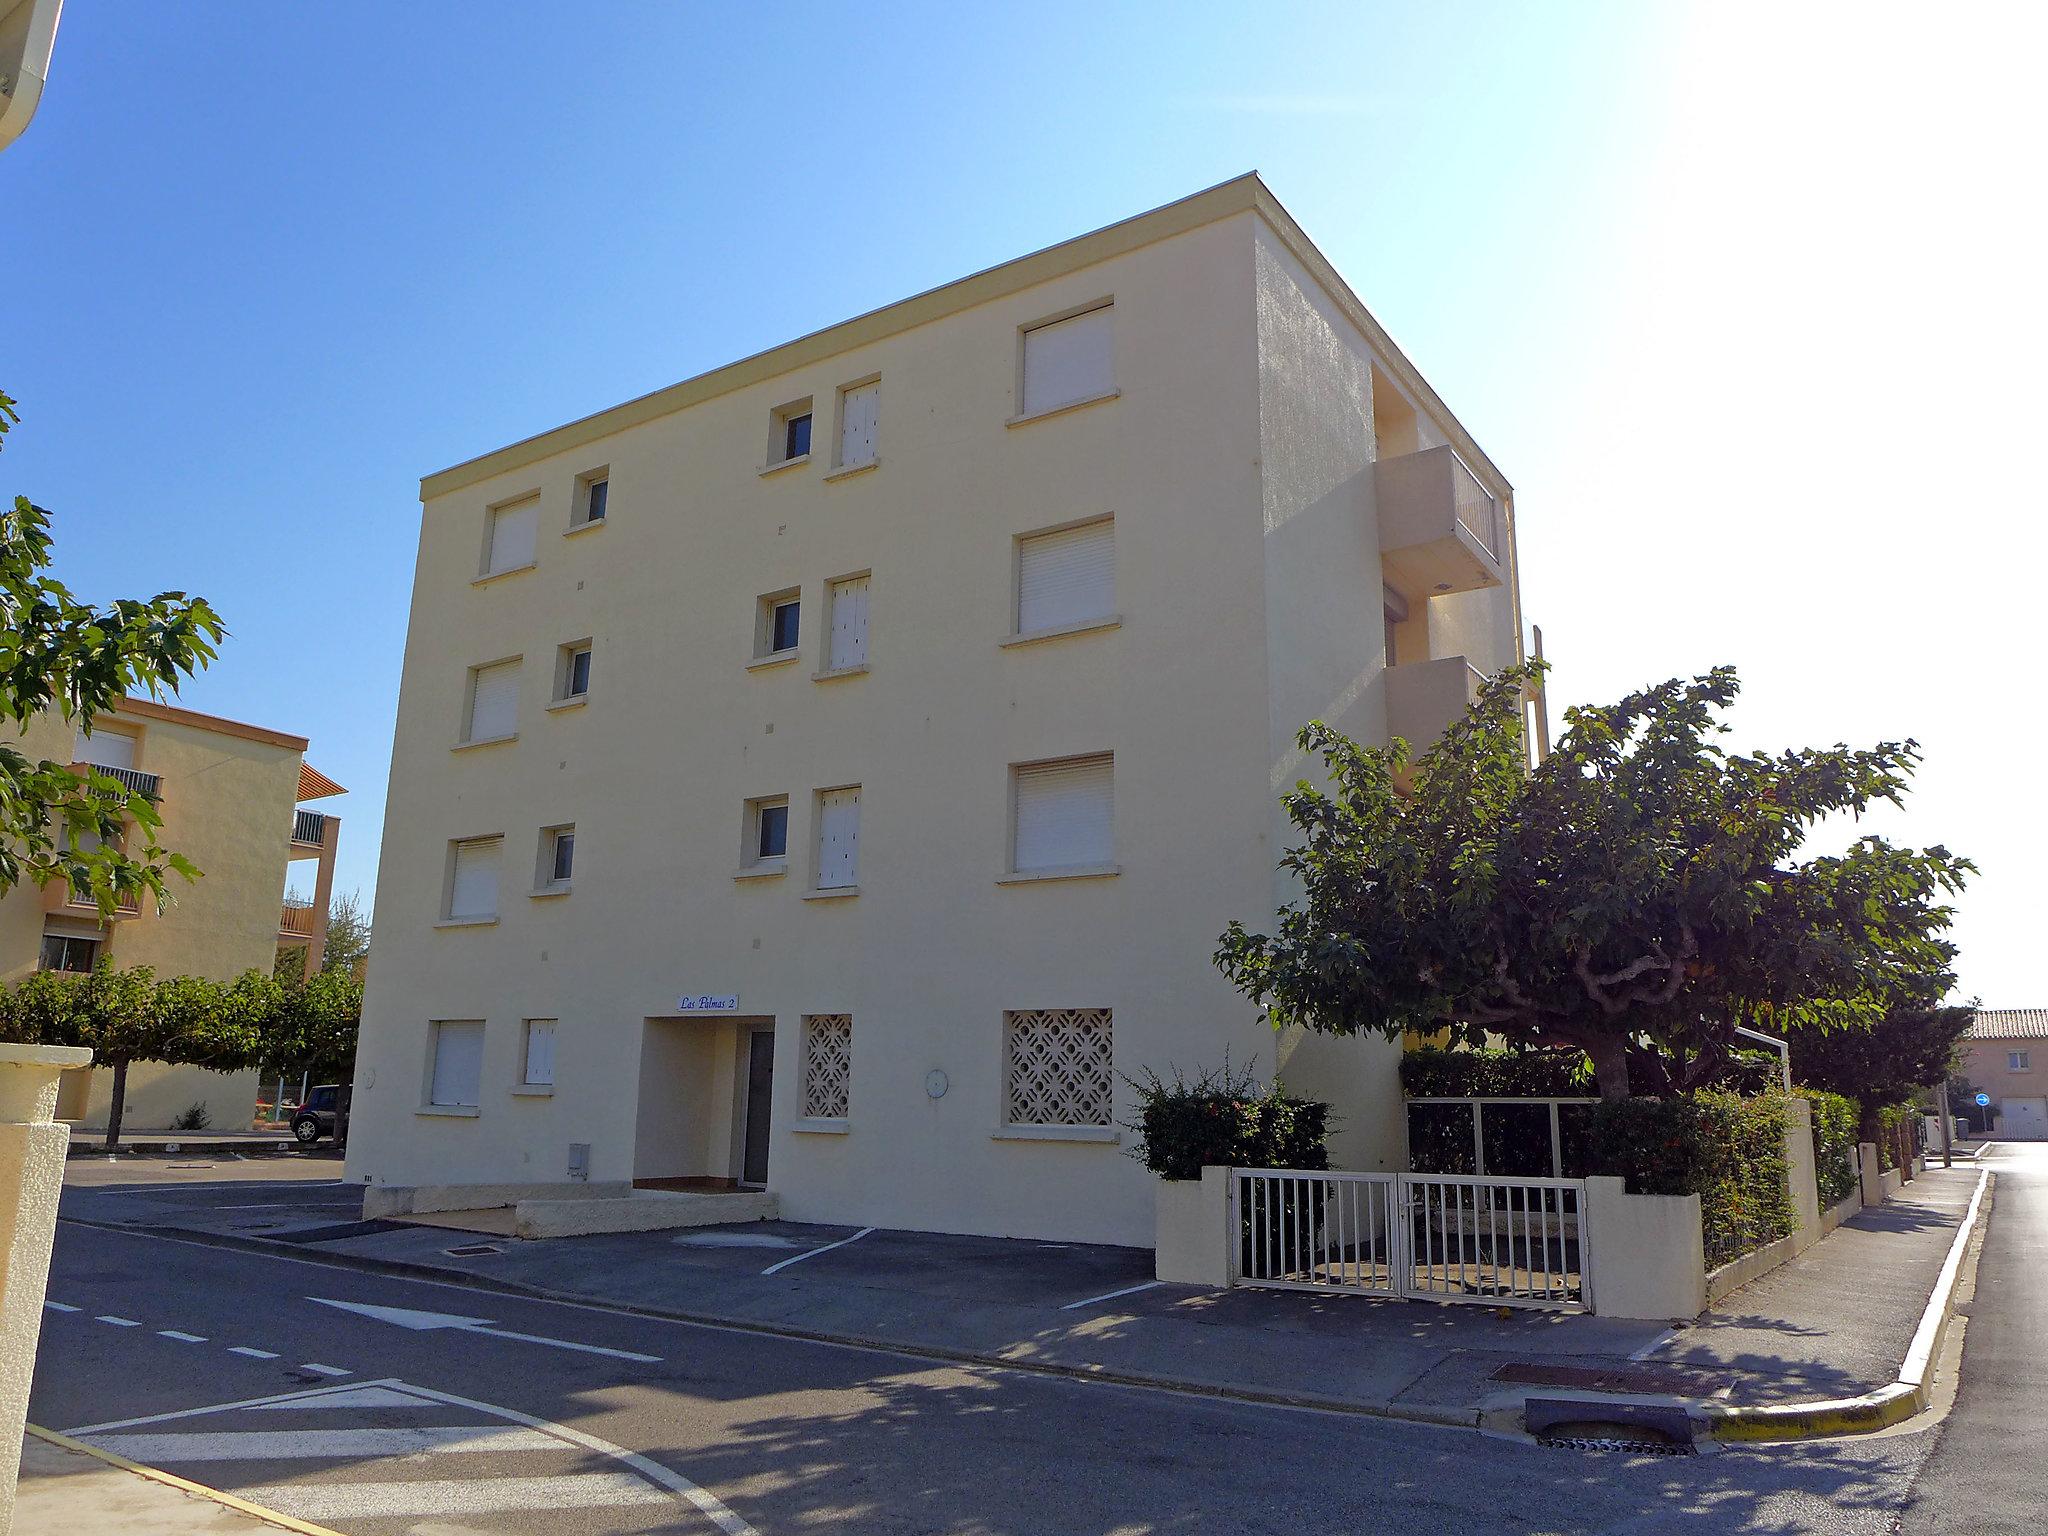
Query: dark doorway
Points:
[760, 1081]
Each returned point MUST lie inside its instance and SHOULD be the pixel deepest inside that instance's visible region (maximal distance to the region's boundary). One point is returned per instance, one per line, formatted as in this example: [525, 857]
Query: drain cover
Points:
[1642, 1429]
[472, 1250]
[1614, 1437]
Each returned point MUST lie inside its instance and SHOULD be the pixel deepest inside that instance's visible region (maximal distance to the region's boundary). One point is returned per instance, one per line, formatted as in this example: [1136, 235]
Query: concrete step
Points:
[643, 1210]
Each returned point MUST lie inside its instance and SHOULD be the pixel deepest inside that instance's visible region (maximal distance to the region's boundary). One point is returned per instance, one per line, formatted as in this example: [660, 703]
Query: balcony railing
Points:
[1440, 529]
[295, 919]
[75, 896]
[309, 828]
[134, 780]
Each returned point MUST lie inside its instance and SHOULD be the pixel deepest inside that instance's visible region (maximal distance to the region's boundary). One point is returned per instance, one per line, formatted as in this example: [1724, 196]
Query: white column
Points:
[31, 1176]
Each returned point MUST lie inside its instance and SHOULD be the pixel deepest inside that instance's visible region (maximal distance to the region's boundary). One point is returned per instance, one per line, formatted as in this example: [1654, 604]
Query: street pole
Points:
[1948, 1151]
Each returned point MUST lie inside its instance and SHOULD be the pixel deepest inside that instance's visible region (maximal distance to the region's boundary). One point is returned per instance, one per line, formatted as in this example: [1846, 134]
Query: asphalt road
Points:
[1988, 1473]
[441, 1410]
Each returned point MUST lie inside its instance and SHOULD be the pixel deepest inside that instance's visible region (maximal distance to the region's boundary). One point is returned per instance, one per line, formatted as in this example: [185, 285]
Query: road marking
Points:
[321, 1444]
[118, 1322]
[421, 1322]
[286, 1205]
[469, 1496]
[350, 1398]
[799, 1258]
[253, 1354]
[1654, 1345]
[58, 1306]
[182, 1338]
[1129, 1290]
[324, 1370]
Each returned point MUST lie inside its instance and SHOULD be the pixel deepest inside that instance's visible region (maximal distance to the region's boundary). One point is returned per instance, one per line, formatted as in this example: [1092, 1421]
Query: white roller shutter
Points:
[849, 623]
[838, 839]
[1068, 360]
[458, 1063]
[859, 413]
[494, 702]
[473, 892]
[540, 1053]
[106, 749]
[513, 531]
[1065, 815]
[1066, 578]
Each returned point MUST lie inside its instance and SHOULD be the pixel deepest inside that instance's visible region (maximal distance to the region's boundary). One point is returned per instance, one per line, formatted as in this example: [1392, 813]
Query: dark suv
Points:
[316, 1116]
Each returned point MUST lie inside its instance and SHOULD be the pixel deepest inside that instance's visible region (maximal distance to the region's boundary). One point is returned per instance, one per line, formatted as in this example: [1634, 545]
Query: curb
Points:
[183, 1485]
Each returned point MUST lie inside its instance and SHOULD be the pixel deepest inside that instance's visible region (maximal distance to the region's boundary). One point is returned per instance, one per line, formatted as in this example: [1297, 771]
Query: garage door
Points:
[2024, 1119]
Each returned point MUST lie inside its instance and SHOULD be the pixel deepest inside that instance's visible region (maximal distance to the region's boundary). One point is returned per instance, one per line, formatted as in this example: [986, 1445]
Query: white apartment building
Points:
[832, 773]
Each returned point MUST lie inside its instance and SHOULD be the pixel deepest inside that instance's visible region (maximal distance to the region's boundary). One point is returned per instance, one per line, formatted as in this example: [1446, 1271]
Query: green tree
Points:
[1637, 896]
[1912, 1047]
[57, 653]
[348, 943]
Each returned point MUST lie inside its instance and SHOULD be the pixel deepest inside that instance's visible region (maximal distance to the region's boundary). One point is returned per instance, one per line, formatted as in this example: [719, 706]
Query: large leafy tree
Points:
[78, 659]
[1912, 1047]
[1638, 895]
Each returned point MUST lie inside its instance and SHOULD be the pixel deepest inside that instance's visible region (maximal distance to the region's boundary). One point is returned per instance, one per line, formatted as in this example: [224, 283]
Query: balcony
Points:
[69, 900]
[1440, 529]
[309, 829]
[1424, 697]
[134, 780]
[295, 918]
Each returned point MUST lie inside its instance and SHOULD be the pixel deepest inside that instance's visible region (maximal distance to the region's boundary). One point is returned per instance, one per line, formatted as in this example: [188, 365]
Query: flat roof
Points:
[1242, 194]
[150, 709]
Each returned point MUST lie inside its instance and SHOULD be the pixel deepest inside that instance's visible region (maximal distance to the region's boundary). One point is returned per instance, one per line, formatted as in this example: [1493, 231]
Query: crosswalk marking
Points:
[324, 1370]
[118, 1322]
[320, 1444]
[475, 1496]
[182, 1338]
[253, 1354]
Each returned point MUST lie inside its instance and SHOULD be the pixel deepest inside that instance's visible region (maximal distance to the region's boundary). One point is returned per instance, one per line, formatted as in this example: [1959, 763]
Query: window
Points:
[828, 1065]
[2017, 1061]
[557, 858]
[766, 835]
[846, 645]
[539, 1058]
[859, 408]
[1068, 361]
[1057, 1067]
[68, 952]
[473, 879]
[789, 433]
[1067, 578]
[572, 671]
[104, 748]
[593, 492]
[1064, 816]
[777, 623]
[493, 702]
[458, 1063]
[839, 838]
[511, 541]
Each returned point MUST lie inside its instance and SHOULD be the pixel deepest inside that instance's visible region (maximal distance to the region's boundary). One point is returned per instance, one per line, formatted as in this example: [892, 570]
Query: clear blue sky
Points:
[1746, 332]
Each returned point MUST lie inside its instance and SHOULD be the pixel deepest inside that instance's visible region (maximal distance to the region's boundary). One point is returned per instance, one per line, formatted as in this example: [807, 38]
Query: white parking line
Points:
[324, 1370]
[182, 1338]
[1129, 1290]
[58, 1306]
[813, 1253]
[253, 1354]
[118, 1322]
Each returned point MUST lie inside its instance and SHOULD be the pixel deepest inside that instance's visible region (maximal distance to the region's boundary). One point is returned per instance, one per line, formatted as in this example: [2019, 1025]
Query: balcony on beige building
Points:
[1441, 531]
[295, 920]
[1424, 697]
[67, 900]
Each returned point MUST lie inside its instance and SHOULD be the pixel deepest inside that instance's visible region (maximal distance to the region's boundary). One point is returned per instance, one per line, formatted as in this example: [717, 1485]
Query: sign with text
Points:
[708, 1002]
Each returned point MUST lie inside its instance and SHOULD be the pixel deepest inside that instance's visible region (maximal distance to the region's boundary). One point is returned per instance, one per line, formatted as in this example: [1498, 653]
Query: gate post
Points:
[1194, 1237]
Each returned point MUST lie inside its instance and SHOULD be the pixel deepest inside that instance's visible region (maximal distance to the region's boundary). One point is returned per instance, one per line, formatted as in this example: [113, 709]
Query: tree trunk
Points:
[1610, 1067]
[114, 1106]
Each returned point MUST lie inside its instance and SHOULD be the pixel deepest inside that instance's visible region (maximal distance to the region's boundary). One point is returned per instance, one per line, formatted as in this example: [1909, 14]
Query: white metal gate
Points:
[1441, 1237]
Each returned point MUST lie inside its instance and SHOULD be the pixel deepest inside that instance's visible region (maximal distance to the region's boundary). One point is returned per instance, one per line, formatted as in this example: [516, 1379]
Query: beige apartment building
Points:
[2005, 1055]
[230, 796]
[832, 773]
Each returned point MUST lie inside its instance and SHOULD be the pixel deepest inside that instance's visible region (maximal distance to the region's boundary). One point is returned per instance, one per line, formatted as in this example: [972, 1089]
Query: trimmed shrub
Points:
[1835, 1118]
[1225, 1118]
[1432, 1073]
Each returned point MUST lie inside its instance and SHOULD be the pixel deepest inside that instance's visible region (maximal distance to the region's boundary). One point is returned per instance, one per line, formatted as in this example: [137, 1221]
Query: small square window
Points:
[789, 432]
[68, 952]
[593, 493]
[509, 536]
[764, 838]
[572, 671]
[473, 879]
[2017, 1061]
[556, 861]
[778, 624]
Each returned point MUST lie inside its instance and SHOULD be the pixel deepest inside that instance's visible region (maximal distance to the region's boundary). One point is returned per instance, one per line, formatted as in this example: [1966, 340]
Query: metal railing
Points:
[78, 893]
[1315, 1231]
[1500, 1242]
[134, 780]
[309, 828]
[296, 918]
[1476, 507]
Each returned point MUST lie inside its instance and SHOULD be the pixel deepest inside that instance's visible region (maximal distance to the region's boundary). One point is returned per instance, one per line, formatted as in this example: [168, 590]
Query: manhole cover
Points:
[472, 1250]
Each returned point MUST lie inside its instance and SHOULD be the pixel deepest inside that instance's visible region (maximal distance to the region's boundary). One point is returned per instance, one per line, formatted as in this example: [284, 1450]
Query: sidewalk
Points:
[1835, 1323]
[190, 1143]
[64, 1492]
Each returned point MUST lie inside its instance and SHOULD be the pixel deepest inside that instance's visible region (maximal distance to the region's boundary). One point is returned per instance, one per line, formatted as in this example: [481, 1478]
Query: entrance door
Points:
[760, 1079]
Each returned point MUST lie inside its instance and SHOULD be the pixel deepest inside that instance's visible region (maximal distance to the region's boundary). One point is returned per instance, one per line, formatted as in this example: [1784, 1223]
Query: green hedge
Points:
[1835, 1119]
[1727, 1149]
[1432, 1073]
[1225, 1119]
